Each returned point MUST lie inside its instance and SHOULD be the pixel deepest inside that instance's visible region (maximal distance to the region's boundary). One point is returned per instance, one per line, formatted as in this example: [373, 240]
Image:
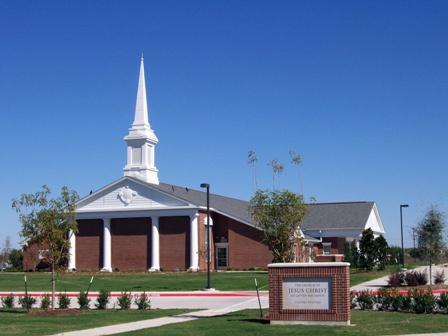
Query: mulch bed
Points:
[55, 312]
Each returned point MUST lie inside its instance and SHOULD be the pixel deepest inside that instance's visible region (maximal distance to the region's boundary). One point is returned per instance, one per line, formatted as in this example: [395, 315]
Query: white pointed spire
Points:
[141, 140]
[141, 105]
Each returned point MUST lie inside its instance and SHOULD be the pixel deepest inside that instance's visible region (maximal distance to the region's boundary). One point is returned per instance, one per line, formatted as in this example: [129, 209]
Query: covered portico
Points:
[134, 210]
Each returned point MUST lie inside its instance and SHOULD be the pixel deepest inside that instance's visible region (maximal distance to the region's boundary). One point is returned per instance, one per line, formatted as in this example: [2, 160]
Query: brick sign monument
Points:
[309, 293]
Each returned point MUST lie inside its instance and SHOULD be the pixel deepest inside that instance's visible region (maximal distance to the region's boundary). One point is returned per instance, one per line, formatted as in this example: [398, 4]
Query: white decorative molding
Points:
[126, 195]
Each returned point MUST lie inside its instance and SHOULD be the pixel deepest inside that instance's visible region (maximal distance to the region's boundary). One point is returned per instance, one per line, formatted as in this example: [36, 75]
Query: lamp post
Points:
[401, 223]
[207, 186]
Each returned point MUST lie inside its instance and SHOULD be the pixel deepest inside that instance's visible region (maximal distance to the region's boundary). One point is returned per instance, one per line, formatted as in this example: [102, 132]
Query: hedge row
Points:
[124, 301]
[416, 301]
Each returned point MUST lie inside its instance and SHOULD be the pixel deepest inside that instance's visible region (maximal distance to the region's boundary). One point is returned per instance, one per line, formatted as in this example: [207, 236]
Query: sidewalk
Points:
[251, 303]
[376, 284]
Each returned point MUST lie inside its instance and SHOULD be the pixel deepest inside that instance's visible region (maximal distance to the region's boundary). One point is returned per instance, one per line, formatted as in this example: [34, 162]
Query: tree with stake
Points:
[277, 168]
[48, 222]
[279, 214]
[430, 236]
[252, 161]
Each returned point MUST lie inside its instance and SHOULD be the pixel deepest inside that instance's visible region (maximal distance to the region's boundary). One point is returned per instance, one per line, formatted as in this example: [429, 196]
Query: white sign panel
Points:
[306, 294]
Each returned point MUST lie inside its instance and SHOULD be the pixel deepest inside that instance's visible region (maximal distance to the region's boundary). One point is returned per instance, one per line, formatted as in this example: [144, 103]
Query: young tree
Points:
[367, 250]
[15, 260]
[4, 253]
[296, 159]
[48, 221]
[277, 168]
[381, 248]
[252, 161]
[430, 236]
[278, 214]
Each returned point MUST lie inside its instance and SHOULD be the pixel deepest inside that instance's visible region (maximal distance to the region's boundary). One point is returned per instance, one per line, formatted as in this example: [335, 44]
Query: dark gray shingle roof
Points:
[321, 216]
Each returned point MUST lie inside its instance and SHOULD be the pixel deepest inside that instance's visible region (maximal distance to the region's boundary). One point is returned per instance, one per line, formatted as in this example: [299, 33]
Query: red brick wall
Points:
[246, 249]
[89, 245]
[340, 301]
[337, 245]
[31, 257]
[174, 235]
[202, 228]
[131, 244]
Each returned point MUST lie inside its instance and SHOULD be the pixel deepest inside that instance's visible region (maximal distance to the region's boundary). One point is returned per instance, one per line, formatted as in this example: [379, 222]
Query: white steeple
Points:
[141, 140]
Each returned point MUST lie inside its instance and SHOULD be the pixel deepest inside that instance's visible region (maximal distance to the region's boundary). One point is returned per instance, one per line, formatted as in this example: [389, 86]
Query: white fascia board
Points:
[378, 218]
[232, 217]
[143, 183]
[339, 233]
[137, 213]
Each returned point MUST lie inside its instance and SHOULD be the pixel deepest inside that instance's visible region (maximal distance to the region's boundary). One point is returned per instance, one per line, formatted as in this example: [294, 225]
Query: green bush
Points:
[83, 300]
[45, 302]
[423, 302]
[389, 300]
[365, 300]
[143, 302]
[396, 279]
[442, 303]
[102, 300]
[439, 278]
[63, 301]
[124, 300]
[27, 302]
[8, 301]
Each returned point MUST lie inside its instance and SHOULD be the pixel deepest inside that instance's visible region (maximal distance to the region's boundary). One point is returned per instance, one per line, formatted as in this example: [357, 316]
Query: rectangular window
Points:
[326, 248]
[136, 155]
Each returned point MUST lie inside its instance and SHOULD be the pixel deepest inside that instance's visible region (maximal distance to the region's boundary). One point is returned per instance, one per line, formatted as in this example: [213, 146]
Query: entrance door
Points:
[221, 255]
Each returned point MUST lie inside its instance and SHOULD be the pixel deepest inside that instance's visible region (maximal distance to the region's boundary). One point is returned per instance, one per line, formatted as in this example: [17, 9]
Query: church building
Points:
[138, 223]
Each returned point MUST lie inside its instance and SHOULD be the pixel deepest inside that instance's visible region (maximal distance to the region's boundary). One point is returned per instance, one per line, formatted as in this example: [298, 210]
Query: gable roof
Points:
[320, 216]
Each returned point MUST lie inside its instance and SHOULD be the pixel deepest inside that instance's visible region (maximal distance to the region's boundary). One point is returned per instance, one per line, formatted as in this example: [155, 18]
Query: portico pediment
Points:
[129, 194]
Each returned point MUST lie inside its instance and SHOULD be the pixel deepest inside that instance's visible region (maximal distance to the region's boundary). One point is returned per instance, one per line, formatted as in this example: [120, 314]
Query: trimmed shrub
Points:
[439, 278]
[83, 300]
[353, 299]
[406, 304]
[8, 301]
[102, 300]
[396, 279]
[27, 302]
[411, 278]
[124, 301]
[45, 302]
[63, 301]
[143, 302]
[442, 303]
[365, 300]
[421, 277]
[423, 302]
[389, 300]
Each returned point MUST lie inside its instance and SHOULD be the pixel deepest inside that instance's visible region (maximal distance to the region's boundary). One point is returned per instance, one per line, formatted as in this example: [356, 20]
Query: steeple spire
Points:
[141, 104]
[141, 140]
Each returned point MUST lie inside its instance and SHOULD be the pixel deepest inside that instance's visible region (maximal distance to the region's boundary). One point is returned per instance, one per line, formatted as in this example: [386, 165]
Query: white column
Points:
[107, 246]
[194, 246]
[155, 245]
[72, 251]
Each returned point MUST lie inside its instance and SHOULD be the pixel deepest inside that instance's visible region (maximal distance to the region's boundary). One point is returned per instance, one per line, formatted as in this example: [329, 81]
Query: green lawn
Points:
[359, 276]
[134, 281]
[247, 322]
[19, 323]
[155, 281]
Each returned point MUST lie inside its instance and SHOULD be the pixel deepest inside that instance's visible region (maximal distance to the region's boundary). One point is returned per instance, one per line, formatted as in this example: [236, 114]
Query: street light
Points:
[401, 223]
[207, 186]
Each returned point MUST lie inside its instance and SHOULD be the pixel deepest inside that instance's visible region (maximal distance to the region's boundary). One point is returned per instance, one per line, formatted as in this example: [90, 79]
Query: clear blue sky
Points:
[359, 88]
